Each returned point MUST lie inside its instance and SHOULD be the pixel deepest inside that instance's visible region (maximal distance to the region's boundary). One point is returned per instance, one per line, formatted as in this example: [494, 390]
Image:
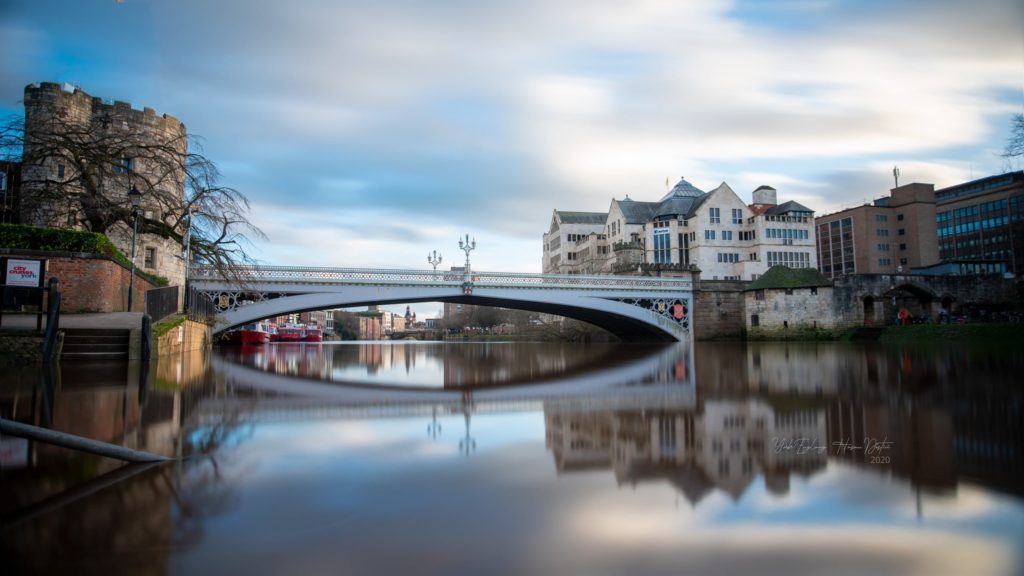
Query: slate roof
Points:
[582, 217]
[779, 277]
[787, 207]
[637, 212]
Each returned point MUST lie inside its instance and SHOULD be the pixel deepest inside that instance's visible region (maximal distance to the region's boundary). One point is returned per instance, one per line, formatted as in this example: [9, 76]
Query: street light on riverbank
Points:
[135, 197]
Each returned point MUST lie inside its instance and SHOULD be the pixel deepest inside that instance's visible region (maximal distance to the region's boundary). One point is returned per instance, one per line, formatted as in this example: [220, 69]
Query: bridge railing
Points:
[382, 276]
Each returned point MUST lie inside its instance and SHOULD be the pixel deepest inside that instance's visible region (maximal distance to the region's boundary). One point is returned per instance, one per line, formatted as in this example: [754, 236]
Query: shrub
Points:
[21, 237]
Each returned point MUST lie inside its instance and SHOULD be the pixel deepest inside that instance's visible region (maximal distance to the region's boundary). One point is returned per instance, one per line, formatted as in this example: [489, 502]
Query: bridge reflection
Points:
[718, 420]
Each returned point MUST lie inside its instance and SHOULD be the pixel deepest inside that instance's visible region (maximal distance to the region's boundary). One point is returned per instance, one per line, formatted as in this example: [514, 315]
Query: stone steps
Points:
[95, 344]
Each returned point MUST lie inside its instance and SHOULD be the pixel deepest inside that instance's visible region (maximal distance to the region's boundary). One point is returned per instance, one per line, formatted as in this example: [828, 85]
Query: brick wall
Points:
[89, 282]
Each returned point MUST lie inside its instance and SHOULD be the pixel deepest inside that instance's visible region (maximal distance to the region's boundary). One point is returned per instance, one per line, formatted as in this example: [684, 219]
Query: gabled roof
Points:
[779, 277]
[637, 212]
[582, 217]
[787, 207]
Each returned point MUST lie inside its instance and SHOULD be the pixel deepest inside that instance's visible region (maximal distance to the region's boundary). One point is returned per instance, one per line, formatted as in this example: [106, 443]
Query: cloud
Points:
[486, 116]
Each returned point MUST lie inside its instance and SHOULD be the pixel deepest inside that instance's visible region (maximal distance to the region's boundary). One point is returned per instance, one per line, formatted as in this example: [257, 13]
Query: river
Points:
[523, 458]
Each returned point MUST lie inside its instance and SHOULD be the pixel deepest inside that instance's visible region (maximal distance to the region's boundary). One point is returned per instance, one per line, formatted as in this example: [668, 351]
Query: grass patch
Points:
[164, 326]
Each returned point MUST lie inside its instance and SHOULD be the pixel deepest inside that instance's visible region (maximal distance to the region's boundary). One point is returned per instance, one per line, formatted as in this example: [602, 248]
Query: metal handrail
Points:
[52, 320]
[321, 275]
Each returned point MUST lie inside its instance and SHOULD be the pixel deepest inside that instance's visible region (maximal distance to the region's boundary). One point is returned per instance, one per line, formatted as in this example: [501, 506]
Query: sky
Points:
[367, 134]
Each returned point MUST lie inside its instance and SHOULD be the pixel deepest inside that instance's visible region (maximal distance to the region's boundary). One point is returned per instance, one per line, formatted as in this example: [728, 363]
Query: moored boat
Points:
[290, 333]
[312, 334]
[250, 334]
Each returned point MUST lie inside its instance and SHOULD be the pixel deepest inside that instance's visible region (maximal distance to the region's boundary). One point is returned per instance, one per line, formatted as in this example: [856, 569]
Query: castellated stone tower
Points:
[82, 156]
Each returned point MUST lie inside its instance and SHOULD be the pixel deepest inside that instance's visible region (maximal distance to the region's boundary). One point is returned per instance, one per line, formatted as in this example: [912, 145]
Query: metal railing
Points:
[199, 307]
[27, 296]
[161, 302]
[375, 276]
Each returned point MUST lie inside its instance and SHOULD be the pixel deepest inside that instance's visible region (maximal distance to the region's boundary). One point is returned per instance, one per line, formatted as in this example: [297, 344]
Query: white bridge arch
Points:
[635, 308]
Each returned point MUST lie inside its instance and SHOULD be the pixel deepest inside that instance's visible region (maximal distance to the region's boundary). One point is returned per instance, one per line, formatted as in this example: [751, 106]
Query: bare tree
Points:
[1015, 143]
[77, 174]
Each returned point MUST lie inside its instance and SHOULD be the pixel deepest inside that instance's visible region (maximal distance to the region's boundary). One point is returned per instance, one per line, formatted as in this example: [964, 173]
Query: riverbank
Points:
[979, 333]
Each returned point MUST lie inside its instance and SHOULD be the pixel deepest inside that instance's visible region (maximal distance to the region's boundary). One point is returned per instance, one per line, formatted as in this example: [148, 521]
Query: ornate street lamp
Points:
[467, 247]
[135, 197]
[434, 259]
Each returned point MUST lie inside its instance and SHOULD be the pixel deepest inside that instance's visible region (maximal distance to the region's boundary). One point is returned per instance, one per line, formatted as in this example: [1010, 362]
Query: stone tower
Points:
[51, 176]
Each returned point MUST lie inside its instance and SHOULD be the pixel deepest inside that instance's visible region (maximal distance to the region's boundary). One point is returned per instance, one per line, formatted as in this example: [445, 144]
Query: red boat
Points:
[255, 333]
[313, 334]
[290, 333]
[272, 329]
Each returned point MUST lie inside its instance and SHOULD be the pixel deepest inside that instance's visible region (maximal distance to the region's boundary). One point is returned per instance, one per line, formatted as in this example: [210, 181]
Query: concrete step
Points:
[93, 356]
[95, 344]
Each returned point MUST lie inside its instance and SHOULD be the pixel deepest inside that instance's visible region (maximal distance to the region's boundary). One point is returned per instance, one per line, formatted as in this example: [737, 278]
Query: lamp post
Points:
[434, 259]
[135, 197]
[467, 247]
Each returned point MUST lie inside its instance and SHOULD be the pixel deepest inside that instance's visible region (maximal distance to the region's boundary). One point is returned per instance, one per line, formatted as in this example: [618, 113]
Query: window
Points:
[124, 167]
[150, 259]
[60, 170]
[709, 234]
[814, 290]
[662, 246]
[881, 217]
[715, 215]
[884, 262]
[726, 234]
[755, 320]
[902, 232]
[3, 181]
[899, 216]
[882, 232]
[903, 246]
[758, 294]
[737, 216]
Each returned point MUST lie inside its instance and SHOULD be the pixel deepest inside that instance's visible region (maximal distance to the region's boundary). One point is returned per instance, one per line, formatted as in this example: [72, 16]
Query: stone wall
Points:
[89, 282]
[155, 143]
[188, 337]
[800, 313]
[718, 310]
[722, 310]
[20, 347]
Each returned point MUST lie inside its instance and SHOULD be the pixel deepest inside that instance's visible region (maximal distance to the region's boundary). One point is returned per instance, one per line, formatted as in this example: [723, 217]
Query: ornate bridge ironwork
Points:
[264, 291]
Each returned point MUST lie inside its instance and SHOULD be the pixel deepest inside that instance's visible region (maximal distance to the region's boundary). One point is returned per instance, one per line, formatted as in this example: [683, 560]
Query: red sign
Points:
[679, 311]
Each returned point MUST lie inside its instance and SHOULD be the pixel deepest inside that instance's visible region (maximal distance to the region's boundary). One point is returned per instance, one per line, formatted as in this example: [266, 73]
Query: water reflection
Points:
[334, 443]
[435, 364]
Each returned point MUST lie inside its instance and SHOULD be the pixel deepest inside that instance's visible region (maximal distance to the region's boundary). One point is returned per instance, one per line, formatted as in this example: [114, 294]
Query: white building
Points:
[716, 232]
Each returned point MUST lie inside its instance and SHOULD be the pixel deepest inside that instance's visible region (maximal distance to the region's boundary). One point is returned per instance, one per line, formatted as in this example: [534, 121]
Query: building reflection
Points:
[778, 410]
[720, 417]
[89, 507]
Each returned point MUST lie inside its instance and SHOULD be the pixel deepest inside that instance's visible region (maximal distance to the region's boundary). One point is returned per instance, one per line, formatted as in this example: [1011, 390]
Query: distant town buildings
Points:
[983, 221]
[714, 232]
[893, 234]
[972, 228]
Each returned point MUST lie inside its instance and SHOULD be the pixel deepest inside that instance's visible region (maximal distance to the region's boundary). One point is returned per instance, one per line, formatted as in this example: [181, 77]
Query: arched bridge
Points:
[635, 308]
